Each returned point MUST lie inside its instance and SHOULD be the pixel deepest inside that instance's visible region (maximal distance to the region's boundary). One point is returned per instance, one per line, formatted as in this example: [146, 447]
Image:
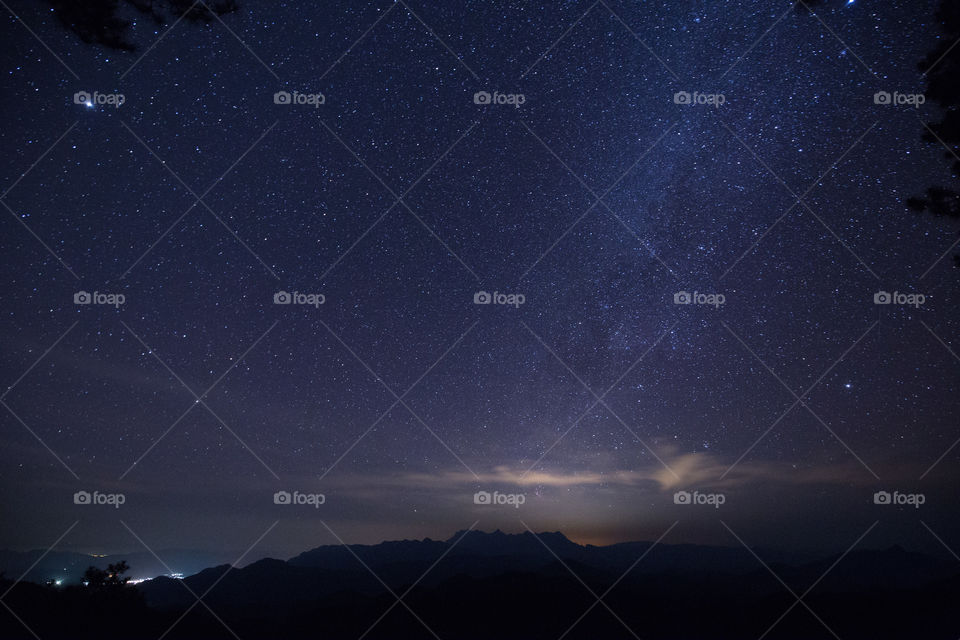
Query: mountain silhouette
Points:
[483, 585]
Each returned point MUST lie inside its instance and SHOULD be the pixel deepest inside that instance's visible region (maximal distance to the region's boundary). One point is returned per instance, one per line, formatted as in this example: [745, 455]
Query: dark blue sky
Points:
[399, 198]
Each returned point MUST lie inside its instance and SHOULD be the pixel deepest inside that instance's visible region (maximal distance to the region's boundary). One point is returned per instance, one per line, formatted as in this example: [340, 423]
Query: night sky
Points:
[399, 198]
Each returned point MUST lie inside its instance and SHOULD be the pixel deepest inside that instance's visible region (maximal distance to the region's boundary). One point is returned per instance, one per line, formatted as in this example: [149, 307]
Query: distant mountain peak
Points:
[498, 535]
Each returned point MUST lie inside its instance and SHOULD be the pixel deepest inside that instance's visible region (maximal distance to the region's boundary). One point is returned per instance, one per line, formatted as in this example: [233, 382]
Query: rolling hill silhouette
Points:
[484, 585]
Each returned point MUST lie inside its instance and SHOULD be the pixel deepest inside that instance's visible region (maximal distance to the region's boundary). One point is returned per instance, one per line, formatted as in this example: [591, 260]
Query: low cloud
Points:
[700, 470]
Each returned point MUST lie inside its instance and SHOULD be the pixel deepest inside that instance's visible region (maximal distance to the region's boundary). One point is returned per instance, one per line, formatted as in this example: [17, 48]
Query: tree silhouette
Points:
[941, 68]
[100, 21]
[112, 577]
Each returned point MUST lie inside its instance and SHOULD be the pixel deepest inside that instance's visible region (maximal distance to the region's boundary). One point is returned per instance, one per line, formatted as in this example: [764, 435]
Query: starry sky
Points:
[399, 198]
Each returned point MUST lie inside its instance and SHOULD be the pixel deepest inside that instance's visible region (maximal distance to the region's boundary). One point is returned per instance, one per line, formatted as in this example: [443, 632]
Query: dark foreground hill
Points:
[512, 586]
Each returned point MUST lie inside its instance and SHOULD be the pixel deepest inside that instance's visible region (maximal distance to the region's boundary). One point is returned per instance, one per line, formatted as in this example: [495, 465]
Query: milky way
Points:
[596, 162]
